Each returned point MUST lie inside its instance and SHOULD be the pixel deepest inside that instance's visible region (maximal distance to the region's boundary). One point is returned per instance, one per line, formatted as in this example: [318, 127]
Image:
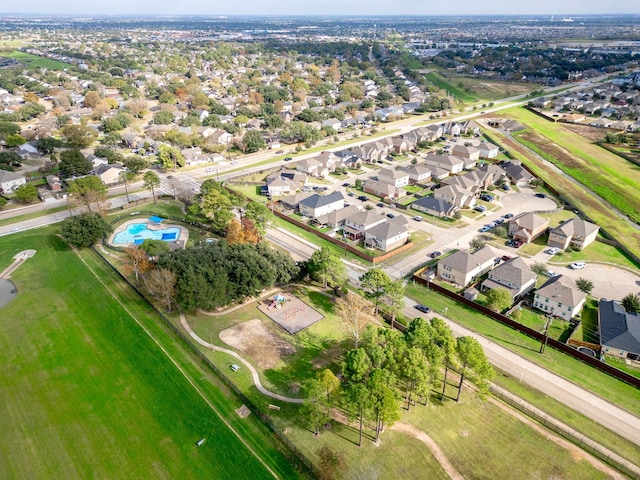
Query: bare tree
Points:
[161, 285]
[136, 262]
[353, 311]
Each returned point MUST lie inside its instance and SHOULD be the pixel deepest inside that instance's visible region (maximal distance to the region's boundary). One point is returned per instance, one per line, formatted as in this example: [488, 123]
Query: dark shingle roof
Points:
[618, 329]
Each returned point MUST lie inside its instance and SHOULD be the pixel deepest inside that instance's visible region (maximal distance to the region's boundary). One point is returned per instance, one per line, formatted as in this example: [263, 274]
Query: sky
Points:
[323, 7]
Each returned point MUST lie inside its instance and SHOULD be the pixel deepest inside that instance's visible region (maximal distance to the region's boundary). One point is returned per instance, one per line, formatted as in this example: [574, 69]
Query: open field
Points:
[441, 81]
[90, 392]
[459, 429]
[601, 384]
[590, 204]
[615, 179]
[34, 61]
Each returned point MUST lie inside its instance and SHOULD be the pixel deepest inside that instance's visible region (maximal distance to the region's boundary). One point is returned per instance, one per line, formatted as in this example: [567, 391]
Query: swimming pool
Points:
[137, 233]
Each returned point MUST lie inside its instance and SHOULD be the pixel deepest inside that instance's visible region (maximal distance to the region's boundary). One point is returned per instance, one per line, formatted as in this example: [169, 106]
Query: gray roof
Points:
[6, 176]
[576, 227]
[434, 204]
[514, 271]
[562, 291]
[618, 328]
[316, 201]
[462, 261]
[387, 230]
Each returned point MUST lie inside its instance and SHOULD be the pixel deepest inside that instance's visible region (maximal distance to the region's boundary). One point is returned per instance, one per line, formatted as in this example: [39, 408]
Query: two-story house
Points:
[559, 297]
[318, 205]
[527, 226]
[419, 174]
[619, 331]
[356, 225]
[574, 231]
[450, 163]
[397, 178]
[462, 267]
[10, 181]
[387, 235]
[513, 275]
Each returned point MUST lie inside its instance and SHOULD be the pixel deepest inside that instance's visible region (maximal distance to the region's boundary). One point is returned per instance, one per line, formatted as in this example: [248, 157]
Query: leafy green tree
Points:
[584, 285]
[8, 128]
[393, 298]
[539, 268]
[79, 135]
[359, 404]
[384, 400]
[315, 404]
[74, 163]
[631, 303]
[170, 157]
[151, 180]
[327, 266]
[90, 191]
[3, 202]
[163, 117]
[154, 248]
[26, 193]
[260, 215]
[375, 283]
[14, 140]
[415, 371]
[499, 299]
[84, 229]
[477, 243]
[253, 141]
[135, 164]
[47, 145]
[474, 365]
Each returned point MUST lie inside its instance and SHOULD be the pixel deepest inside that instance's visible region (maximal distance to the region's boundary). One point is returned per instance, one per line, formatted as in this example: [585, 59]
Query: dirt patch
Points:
[593, 134]
[243, 411]
[256, 341]
[327, 357]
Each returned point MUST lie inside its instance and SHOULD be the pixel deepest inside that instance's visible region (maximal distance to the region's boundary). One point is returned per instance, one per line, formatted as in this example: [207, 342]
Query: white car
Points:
[577, 266]
[418, 218]
[552, 250]
[551, 273]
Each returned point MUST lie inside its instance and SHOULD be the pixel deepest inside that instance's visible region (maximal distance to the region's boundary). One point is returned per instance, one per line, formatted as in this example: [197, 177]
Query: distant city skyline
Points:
[324, 7]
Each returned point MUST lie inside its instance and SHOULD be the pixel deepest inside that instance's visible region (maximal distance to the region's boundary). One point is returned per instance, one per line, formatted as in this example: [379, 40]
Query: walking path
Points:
[18, 260]
[251, 368]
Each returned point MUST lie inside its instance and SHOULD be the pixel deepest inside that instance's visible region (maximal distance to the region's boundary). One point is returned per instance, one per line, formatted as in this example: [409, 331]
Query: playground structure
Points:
[291, 313]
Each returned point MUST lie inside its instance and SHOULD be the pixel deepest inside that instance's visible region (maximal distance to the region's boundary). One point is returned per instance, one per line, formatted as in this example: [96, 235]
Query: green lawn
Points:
[443, 83]
[88, 392]
[34, 61]
[615, 391]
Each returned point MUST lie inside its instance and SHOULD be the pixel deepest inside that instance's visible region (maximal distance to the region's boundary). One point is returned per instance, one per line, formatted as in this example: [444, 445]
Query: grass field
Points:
[443, 83]
[90, 393]
[590, 204]
[34, 61]
[477, 437]
[612, 177]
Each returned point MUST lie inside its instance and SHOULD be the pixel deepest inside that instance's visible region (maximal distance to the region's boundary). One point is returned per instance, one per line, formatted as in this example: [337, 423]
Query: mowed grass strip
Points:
[34, 61]
[88, 394]
[574, 193]
[612, 177]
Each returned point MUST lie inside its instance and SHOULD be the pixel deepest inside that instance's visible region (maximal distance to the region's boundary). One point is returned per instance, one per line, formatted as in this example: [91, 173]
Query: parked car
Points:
[551, 273]
[497, 260]
[235, 367]
[435, 254]
[506, 187]
[234, 162]
[351, 194]
[486, 197]
[577, 265]
[505, 258]
[346, 184]
[418, 218]
[552, 250]
[380, 204]
[484, 228]
[541, 195]
[508, 215]
[480, 208]
[422, 308]
[492, 225]
[374, 178]
[279, 152]
[499, 221]
[363, 198]
[391, 215]
[287, 159]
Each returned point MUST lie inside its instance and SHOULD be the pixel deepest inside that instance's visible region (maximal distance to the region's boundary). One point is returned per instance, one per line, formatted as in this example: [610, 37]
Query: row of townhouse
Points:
[558, 296]
[374, 230]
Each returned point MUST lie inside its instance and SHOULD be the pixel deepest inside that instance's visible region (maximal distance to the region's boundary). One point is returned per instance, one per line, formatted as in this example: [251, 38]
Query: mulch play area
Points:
[288, 311]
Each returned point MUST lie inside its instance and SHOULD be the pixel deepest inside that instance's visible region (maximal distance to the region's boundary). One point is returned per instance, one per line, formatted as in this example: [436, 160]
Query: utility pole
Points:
[546, 335]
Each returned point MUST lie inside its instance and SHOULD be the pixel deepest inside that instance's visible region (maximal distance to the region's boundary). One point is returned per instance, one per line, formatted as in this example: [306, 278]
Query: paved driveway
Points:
[609, 281]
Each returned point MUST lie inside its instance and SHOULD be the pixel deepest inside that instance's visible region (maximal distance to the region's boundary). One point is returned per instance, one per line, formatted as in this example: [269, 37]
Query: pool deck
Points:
[180, 242]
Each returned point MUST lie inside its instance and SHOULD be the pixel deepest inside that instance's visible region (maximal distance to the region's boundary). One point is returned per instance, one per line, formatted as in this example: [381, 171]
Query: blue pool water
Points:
[137, 233]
